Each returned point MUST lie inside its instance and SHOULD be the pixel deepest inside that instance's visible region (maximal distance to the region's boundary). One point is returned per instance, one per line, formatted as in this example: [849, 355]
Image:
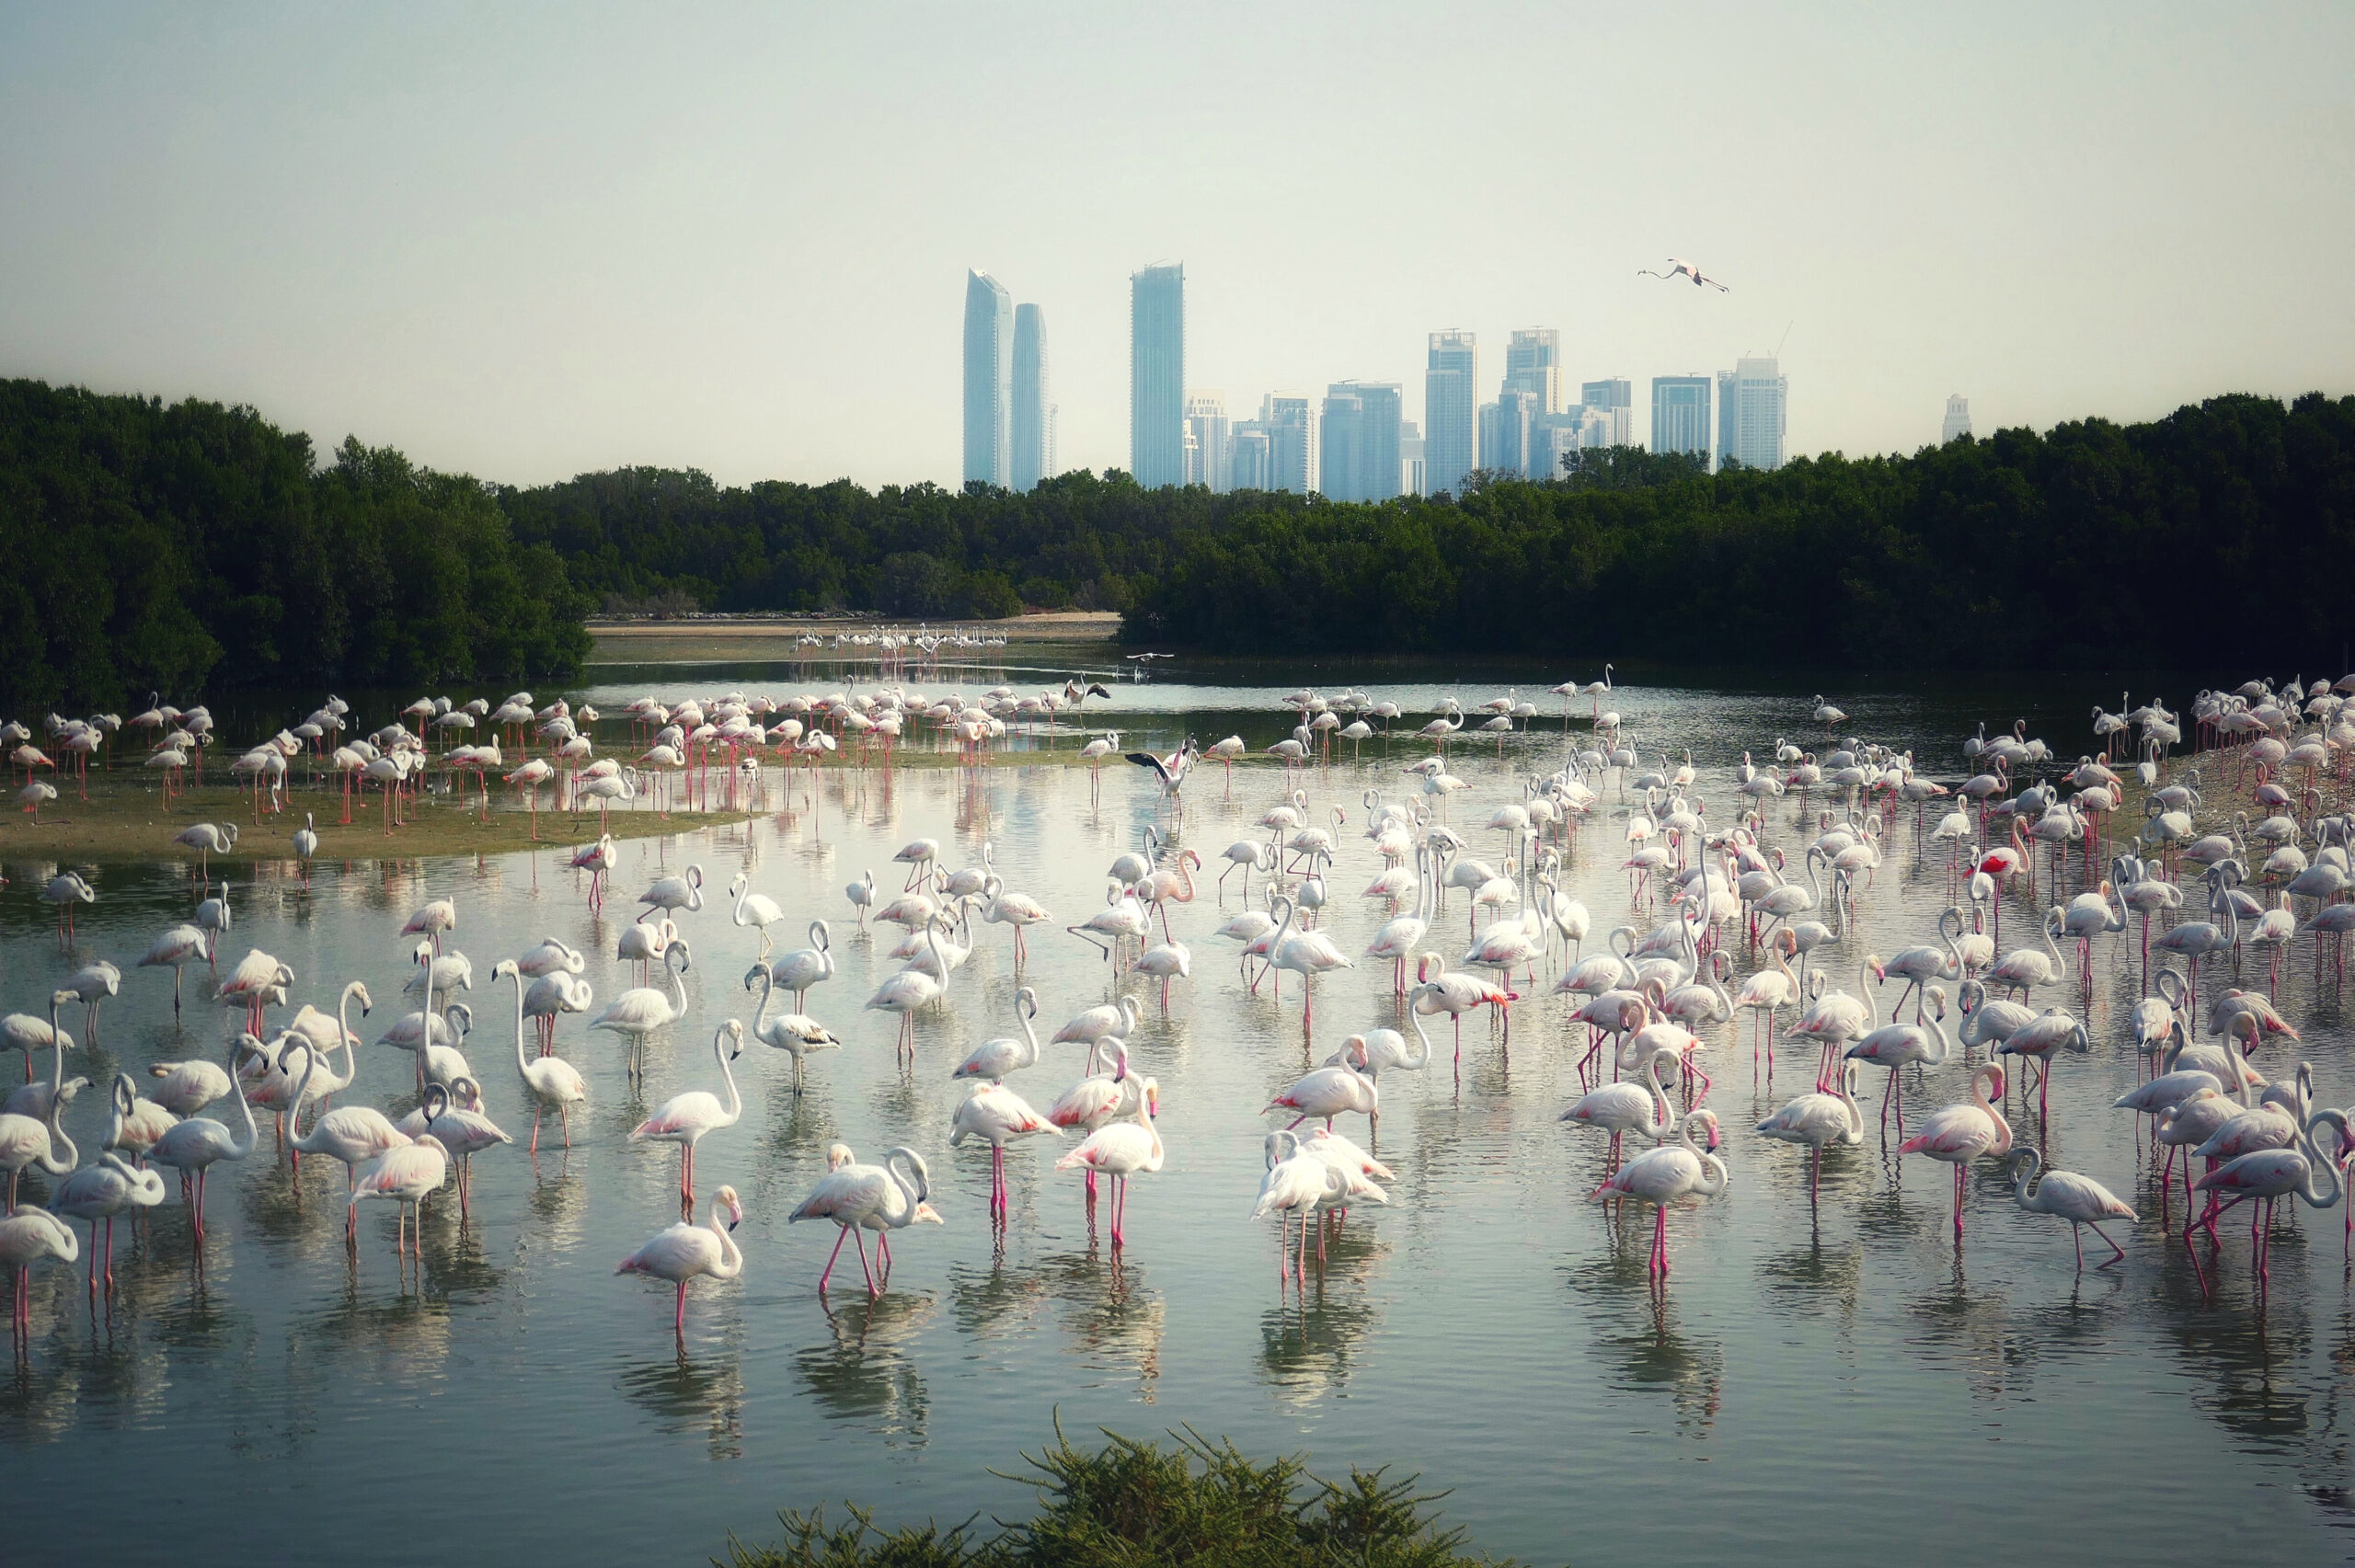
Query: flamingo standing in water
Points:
[997, 1116]
[1959, 1133]
[1818, 1118]
[1661, 1177]
[108, 1187]
[684, 1252]
[873, 1197]
[1122, 1148]
[684, 1119]
[2080, 1200]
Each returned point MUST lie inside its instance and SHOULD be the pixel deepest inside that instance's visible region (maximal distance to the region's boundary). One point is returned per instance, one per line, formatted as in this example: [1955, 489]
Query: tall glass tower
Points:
[1158, 375]
[1026, 425]
[989, 378]
[1451, 415]
[1681, 414]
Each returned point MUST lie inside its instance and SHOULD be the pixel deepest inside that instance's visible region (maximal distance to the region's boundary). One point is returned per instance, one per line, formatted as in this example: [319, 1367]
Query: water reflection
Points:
[866, 1373]
[1310, 1340]
[686, 1395]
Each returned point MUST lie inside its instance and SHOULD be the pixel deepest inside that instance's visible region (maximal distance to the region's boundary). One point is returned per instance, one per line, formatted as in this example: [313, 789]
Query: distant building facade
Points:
[1207, 446]
[1681, 414]
[1533, 364]
[1957, 418]
[1158, 375]
[1411, 459]
[1752, 413]
[1360, 442]
[989, 379]
[1614, 401]
[1292, 456]
[1027, 420]
[1451, 400]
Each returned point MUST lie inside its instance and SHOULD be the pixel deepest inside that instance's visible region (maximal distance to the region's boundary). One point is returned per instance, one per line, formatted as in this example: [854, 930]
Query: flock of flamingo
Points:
[1741, 915]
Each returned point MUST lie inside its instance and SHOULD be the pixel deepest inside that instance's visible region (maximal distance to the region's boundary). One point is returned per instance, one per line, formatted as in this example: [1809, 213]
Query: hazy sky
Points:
[528, 241]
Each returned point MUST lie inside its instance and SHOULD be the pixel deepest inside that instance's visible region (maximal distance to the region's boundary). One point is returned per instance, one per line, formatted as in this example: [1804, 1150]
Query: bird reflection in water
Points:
[1307, 1341]
[685, 1395]
[1114, 1318]
[1662, 1355]
[865, 1373]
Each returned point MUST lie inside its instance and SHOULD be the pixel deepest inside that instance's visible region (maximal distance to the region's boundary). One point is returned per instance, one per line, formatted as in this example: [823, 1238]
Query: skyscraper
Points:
[1957, 418]
[1158, 375]
[1449, 420]
[1248, 460]
[1336, 476]
[1533, 364]
[1614, 400]
[989, 377]
[1027, 424]
[1411, 459]
[1504, 431]
[1206, 441]
[1752, 402]
[1360, 441]
[1291, 425]
[1681, 414]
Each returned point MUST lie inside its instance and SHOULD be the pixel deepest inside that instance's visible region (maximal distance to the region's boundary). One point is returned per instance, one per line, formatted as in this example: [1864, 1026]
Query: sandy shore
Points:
[625, 642]
[125, 819]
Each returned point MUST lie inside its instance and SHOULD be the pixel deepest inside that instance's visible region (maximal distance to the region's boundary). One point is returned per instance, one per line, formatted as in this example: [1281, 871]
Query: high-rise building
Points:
[1338, 471]
[1551, 437]
[1752, 408]
[1957, 418]
[1360, 459]
[1158, 375]
[1411, 459]
[1247, 461]
[1054, 419]
[1504, 431]
[1027, 422]
[1533, 364]
[1681, 414]
[1616, 401]
[1451, 397]
[989, 378]
[1206, 441]
[1292, 444]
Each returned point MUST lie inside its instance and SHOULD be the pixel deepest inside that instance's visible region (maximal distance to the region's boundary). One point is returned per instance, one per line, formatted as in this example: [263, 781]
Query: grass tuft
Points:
[1138, 1505]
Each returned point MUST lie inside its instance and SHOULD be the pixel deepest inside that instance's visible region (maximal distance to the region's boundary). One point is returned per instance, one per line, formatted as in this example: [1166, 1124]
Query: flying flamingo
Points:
[1661, 1177]
[1680, 268]
[683, 1252]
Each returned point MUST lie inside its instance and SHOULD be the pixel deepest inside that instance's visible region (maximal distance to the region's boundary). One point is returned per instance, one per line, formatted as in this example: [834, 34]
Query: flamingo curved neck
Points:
[732, 1257]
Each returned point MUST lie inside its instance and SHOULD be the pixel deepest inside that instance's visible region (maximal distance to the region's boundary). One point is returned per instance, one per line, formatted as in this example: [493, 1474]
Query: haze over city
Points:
[528, 244]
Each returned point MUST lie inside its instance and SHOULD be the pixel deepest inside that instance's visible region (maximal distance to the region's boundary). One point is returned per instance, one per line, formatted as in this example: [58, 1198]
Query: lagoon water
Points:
[1829, 1384]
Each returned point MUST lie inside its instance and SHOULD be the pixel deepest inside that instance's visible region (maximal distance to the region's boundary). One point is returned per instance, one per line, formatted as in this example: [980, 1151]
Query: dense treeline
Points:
[164, 547]
[2230, 525]
[176, 548]
[2094, 544]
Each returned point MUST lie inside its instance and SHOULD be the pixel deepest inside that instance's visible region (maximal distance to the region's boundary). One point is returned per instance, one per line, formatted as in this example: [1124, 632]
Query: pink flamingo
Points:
[1659, 1176]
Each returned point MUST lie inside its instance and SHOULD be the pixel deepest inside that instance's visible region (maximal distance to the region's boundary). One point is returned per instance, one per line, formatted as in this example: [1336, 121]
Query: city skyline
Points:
[702, 254]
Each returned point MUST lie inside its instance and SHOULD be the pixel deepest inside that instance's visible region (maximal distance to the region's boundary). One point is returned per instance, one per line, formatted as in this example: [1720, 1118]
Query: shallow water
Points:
[1812, 1383]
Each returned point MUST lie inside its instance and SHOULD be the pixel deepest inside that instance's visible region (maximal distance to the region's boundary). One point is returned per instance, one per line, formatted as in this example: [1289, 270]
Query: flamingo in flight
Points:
[1677, 267]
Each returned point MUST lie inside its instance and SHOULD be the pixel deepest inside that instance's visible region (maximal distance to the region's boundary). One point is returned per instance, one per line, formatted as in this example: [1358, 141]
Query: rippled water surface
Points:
[1813, 1384]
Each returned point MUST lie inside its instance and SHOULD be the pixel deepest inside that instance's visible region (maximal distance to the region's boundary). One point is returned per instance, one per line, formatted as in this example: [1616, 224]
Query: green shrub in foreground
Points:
[1144, 1506]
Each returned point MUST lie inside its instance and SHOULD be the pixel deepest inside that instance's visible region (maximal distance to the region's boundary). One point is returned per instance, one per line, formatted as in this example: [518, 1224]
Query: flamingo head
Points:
[838, 1155]
[725, 1201]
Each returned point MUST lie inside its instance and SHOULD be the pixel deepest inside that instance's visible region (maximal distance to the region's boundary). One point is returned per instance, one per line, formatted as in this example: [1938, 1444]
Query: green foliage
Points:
[161, 548]
[1132, 1504]
[2094, 544]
